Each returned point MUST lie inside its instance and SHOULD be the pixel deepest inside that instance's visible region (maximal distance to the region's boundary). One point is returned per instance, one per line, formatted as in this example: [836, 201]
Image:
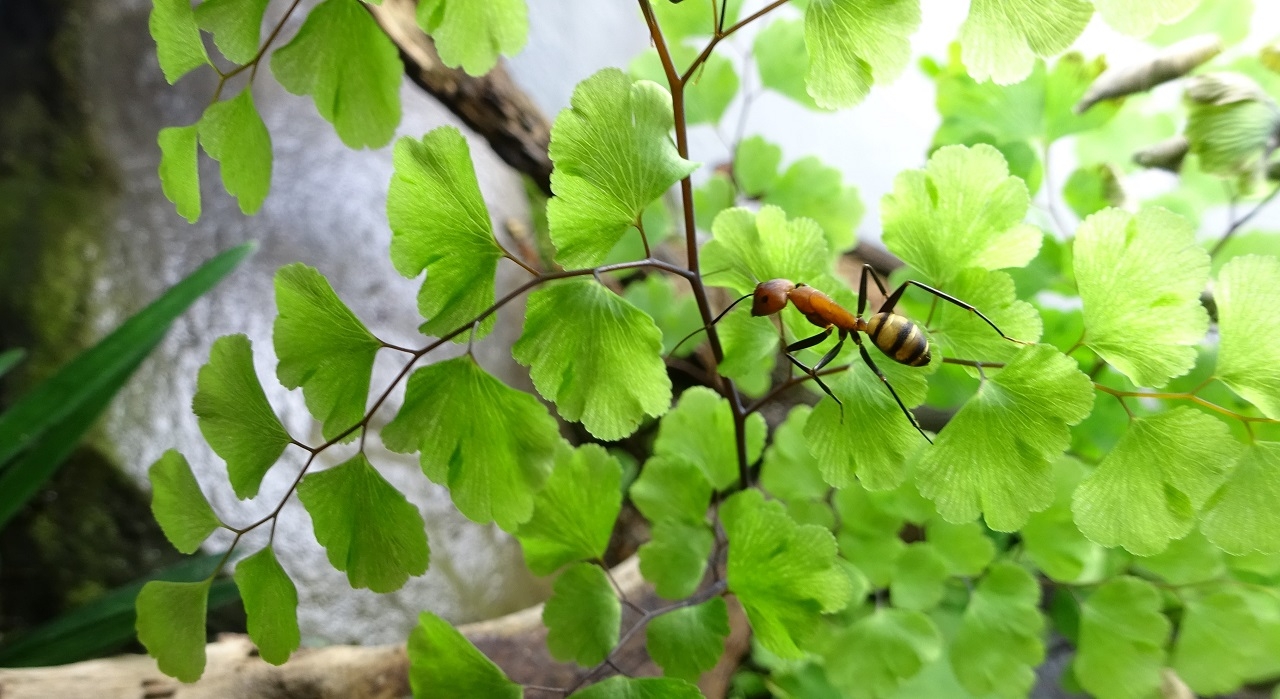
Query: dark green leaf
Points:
[583, 616]
[171, 618]
[178, 43]
[271, 604]
[573, 514]
[178, 505]
[232, 133]
[687, 642]
[444, 665]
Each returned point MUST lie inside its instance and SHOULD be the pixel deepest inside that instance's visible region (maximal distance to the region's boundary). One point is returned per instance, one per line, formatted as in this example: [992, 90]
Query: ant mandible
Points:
[895, 335]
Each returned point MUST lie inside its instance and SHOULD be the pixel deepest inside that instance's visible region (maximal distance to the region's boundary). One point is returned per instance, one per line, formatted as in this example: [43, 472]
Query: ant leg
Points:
[830, 355]
[810, 341]
[862, 287]
[885, 380]
[897, 294]
[821, 384]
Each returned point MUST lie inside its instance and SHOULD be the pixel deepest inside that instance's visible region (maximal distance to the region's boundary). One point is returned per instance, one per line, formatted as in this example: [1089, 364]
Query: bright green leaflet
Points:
[470, 35]
[1242, 517]
[1232, 139]
[672, 488]
[963, 210]
[236, 26]
[961, 333]
[813, 190]
[234, 415]
[612, 156]
[178, 43]
[1001, 639]
[873, 656]
[271, 604]
[755, 164]
[1147, 491]
[868, 533]
[1091, 189]
[750, 351]
[323, 347]
[444, 665]
[676, 314]
[692, 19]
[789, 471]
[573, 514]
[687, 642]
[644, 688]
[439, 223]
[710, 90]
[966, 548]
[233, 134]
[1122, 639]
[1247, 294]
[179, 175]
[752, 247]
[178, 505]
[583, 616]
[1265, 607]
[918, 578]
[854, 44]
[994, 457]
[1002, 38]
[1141, 17]
[839, 441]
[1216, 640]
[349, 67]
[492, 445]
[783, 60]
[1051, 538]
[1189, 560]
[710, 198]
[784, 574]
[595, 356]
[675, 557]
[170, 624]
[700, 430]
[1140, 279]
[366, 526]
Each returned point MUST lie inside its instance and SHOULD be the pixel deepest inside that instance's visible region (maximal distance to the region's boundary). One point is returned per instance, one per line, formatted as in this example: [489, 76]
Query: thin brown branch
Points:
[1237, 224]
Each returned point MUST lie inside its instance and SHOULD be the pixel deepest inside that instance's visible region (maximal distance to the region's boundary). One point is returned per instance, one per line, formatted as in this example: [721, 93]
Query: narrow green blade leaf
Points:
[583, 616]
[1122, 639]
[109, 361]
[1002, 38]
[1217, 637]
[444, 665]
[349, 67]
[643, 688]
[10, 358]
[490, 444]
[1243, 517]
[236, 26]
[918, 579]
[171, 618]
[595, 356]
[874, 656]
[573, 514]
[966, 548]
[963, 210]
[323, 347]
[1247, 294]
[233, 134]
[439, 223]
[178, 43]
[470, 35]
[234, 415]
[994, 456]
[1147, 491]
[672, 488]
[675, 557]
[853, 44]
[1140, 279]
[785, 574]
[612, 156]
[700, 430]
[271, 604]
[179, 175]
[178, 505]
[687, 642]
[366, 526]
[1001, 639]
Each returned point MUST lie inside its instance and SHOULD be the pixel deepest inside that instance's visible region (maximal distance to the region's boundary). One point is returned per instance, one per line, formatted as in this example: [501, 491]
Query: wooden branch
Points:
[516, 642]
[492, 105]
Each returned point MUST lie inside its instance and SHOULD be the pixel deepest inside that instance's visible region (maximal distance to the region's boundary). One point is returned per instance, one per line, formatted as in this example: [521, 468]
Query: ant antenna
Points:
[713, 322]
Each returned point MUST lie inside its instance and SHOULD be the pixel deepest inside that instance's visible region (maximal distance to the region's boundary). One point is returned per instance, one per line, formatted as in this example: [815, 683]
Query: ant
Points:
[898, 337]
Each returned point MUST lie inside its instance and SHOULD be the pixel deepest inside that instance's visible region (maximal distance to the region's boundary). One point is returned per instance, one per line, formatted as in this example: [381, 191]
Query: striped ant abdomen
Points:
[900, 339]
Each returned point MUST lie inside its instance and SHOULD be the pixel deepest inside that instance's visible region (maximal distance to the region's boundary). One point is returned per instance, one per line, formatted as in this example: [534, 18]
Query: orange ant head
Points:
[770, 297]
